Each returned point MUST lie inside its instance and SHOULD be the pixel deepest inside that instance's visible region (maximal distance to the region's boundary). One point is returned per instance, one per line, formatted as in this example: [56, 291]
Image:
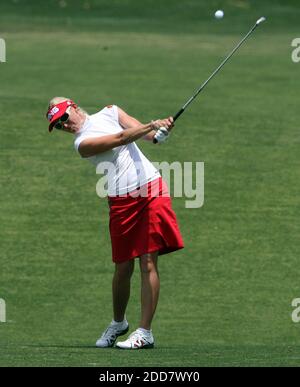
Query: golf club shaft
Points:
[190, 100]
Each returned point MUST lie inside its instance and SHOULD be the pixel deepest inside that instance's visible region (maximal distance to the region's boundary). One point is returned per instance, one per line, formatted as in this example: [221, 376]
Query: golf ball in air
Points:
[219, 14]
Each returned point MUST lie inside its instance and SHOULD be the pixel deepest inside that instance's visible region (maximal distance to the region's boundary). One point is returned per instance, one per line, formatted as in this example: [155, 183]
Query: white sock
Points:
[120, 323]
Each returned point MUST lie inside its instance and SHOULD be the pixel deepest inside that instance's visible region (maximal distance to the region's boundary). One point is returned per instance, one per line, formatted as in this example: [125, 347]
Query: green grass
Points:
[226, 298]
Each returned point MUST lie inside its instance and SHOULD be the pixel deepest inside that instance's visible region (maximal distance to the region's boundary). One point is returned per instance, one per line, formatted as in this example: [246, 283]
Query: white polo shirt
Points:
[125, 167]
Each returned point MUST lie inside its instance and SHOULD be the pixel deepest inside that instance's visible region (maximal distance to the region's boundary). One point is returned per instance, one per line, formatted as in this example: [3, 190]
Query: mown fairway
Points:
[226, 298]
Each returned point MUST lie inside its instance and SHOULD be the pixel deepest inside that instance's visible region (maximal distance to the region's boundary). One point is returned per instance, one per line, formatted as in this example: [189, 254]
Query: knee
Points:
[147, 264]
[124, 270]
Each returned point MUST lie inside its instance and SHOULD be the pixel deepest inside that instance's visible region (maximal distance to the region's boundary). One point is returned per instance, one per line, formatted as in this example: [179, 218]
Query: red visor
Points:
[58, 110]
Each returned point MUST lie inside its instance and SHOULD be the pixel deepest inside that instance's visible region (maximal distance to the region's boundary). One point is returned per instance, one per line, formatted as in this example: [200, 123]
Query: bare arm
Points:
[93, 146]
[126, 121]
[134, 131]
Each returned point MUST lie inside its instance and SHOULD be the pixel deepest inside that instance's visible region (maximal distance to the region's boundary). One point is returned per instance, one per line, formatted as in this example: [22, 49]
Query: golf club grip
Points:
[178, 114]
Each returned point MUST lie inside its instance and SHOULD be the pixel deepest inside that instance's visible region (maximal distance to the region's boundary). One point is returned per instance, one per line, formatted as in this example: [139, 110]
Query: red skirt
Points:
[143, 221]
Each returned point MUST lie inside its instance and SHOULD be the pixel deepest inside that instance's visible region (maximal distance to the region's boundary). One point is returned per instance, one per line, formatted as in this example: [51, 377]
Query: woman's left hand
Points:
[167, 123]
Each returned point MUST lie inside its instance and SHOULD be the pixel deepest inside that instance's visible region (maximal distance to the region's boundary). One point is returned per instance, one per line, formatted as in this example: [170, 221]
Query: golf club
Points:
[190, 100]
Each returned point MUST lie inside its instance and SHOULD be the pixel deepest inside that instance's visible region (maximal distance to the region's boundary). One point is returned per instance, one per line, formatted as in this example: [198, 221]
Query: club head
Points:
[261, 20]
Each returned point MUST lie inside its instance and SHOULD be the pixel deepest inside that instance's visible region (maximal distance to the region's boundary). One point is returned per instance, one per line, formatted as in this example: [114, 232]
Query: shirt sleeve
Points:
[81, 138]
[112, 112]
[77, 142]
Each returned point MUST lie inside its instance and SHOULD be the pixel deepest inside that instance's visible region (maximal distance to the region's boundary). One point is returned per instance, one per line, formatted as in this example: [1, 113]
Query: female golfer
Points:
[142, 222]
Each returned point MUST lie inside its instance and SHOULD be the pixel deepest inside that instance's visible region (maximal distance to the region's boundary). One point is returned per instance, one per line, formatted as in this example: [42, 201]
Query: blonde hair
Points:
[56, 100]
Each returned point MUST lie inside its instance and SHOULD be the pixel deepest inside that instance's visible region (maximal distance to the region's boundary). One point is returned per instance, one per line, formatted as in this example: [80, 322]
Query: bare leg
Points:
[149, 288]
[121, 288]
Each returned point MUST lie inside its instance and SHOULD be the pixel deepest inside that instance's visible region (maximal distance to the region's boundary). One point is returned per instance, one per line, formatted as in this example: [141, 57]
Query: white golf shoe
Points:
[139, 339]
[110, 335]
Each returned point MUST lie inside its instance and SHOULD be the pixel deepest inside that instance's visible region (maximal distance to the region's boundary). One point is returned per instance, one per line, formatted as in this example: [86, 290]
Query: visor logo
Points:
[52, 112]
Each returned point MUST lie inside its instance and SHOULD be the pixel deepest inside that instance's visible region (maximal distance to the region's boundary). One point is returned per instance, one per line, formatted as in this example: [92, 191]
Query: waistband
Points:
[155, 188]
